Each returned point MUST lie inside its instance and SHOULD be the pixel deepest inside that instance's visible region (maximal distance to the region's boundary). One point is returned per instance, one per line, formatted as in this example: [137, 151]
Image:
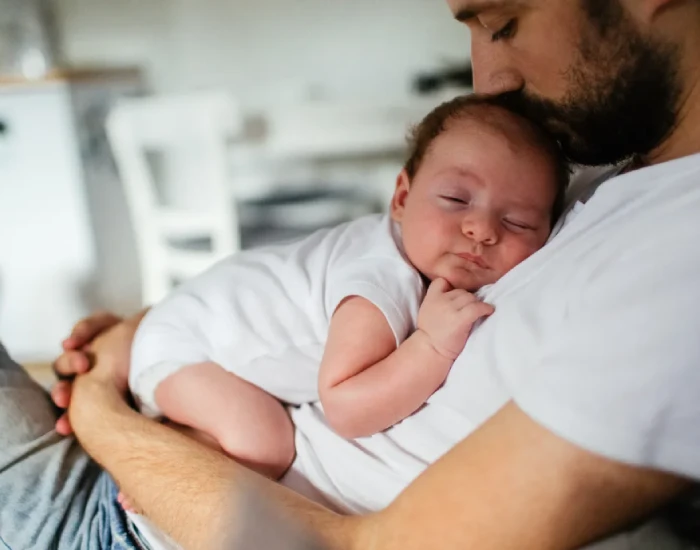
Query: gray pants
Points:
[53, 496]
[654, 535]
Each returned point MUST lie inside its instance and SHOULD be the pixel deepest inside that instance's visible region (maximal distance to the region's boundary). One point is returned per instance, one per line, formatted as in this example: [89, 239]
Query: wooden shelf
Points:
[73, 75]
[41, 372]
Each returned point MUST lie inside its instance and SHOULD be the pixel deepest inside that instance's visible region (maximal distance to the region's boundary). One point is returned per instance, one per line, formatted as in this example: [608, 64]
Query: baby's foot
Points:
[126, 504]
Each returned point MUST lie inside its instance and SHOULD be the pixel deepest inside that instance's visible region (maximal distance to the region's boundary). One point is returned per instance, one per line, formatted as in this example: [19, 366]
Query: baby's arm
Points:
[366, 383]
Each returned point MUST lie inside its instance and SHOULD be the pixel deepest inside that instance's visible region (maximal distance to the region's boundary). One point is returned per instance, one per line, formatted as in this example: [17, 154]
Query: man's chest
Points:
[505, 350]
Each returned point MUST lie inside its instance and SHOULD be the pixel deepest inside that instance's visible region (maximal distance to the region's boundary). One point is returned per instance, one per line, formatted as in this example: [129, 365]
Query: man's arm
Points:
[192, 492]
[512, 484]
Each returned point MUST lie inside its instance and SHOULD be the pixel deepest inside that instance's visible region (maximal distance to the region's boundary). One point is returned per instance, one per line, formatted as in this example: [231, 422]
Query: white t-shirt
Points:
[595, 337]
[264, 314]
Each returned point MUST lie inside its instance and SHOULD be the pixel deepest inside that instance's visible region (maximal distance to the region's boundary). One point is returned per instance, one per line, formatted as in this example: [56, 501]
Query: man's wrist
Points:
[92, 399]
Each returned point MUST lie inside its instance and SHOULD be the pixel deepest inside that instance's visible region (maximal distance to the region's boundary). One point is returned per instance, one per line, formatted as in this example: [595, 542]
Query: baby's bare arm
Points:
[366, 384]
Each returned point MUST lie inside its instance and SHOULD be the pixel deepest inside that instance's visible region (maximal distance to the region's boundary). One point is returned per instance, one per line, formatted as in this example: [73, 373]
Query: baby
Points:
[342, 315]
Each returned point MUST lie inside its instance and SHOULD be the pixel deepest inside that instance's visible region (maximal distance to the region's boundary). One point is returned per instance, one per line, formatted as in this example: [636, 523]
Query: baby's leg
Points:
[249, 424]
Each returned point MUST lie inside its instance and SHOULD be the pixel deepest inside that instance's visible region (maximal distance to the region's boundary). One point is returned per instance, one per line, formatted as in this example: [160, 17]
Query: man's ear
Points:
[398, 201]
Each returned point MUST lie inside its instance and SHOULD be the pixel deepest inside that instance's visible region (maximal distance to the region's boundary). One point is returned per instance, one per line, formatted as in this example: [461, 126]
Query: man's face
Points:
[583, 68]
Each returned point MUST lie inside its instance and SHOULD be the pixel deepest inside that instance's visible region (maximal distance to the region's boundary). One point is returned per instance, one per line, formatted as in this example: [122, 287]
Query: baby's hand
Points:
[447, 316]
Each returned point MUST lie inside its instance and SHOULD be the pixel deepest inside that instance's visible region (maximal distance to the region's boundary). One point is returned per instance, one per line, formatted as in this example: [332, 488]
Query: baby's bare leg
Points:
[249, 424]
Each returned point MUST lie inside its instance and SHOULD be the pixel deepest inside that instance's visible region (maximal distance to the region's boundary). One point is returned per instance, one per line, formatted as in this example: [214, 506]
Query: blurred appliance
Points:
[294, 213]
[458, 77]
[319, 163]
[52, 165]
[29, 43]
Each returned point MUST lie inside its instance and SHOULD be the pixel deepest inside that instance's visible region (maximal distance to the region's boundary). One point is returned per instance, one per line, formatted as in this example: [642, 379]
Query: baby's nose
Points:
[480, 229]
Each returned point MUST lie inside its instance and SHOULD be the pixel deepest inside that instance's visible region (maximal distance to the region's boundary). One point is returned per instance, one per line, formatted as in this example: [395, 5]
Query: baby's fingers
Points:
[437, 288]
[477, 310]
[460, 301]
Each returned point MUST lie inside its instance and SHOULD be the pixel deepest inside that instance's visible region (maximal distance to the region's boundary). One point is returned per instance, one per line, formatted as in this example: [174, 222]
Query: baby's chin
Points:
[464, 280]
[468, 286]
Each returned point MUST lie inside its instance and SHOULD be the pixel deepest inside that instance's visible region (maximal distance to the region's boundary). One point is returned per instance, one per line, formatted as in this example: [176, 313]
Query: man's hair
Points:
[490, 110]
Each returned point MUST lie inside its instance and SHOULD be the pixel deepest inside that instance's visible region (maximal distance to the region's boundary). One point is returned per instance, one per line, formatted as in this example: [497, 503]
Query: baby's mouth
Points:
[474, 259]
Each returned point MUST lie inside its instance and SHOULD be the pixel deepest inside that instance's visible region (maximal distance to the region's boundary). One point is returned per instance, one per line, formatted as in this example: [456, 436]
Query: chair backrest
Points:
[196, 128]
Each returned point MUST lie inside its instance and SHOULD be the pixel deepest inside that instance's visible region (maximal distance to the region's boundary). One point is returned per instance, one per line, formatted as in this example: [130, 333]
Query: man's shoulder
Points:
[586, 180]
[654, 201]
[638, 233]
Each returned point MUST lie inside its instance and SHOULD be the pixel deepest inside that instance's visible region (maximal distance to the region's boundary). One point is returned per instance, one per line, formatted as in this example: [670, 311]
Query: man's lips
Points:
[476, 260]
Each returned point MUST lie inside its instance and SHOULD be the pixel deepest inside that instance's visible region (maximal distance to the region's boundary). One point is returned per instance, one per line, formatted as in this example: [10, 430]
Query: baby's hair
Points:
[492, 111]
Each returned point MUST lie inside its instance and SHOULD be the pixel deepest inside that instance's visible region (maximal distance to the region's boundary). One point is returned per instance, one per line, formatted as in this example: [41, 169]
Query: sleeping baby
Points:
[344, 315]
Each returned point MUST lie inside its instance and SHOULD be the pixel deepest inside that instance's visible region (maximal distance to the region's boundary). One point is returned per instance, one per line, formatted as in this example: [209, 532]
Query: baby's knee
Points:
[281, 458]
[269, 451]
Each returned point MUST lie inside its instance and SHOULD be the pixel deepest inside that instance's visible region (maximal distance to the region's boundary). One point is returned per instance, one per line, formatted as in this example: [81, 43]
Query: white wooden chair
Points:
[194, 129]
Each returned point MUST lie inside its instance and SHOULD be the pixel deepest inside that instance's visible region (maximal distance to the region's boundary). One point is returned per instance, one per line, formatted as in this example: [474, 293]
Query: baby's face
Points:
[479, 205]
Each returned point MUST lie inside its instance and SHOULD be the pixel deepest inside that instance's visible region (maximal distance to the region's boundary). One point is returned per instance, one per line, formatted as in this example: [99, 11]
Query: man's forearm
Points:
[191, 492]
[199, 497]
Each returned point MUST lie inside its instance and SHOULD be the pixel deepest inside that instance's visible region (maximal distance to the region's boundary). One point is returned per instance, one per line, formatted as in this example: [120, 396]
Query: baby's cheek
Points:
[417, 248]
[517, 250]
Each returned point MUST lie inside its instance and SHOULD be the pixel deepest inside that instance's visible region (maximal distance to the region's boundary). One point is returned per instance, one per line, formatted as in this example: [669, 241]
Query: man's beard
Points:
[622, 99]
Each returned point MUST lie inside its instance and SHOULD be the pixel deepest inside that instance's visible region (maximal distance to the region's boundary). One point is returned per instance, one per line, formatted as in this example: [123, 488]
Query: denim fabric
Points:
[52, 495]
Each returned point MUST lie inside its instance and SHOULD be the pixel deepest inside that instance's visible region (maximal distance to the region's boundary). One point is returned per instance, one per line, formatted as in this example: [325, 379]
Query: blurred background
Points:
[142, 140]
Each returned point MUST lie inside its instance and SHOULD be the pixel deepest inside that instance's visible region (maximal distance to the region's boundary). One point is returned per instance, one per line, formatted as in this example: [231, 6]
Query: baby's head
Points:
[479, 194]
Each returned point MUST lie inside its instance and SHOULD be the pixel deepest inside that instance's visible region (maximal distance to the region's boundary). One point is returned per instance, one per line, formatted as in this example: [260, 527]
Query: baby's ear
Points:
[398, 201]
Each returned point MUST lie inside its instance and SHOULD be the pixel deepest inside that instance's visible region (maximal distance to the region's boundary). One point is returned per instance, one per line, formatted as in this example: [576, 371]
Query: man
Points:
[587, 424]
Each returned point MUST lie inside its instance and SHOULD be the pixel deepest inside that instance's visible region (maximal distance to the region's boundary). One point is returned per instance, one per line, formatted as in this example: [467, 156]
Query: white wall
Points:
[263, 50]
[268, 49]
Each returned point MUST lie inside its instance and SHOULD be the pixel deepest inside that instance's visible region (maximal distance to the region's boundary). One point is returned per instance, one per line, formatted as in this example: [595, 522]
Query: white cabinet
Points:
[47, 246]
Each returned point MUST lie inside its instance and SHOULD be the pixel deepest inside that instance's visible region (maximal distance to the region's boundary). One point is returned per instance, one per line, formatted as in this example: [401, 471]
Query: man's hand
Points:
[102, 339]
[447, 316]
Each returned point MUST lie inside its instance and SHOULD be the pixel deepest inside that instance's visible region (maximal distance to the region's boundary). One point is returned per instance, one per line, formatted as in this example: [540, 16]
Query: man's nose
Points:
[480, 228]
[493, 72]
